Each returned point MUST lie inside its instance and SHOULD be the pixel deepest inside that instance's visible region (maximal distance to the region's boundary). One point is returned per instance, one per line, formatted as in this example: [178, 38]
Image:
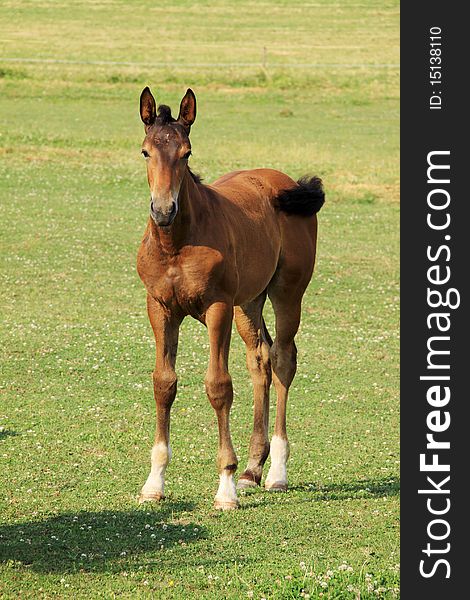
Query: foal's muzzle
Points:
[163, 219]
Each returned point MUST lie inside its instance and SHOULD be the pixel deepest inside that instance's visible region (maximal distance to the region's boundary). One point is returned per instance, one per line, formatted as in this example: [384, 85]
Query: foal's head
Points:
[166, 149]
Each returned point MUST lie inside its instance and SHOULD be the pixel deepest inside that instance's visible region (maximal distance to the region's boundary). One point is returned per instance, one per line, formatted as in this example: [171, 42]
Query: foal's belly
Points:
[254, 276]
[256, 260]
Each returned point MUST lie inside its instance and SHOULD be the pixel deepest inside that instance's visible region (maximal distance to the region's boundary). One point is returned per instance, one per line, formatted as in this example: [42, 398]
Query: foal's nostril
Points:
[165, 218]
[170, 212]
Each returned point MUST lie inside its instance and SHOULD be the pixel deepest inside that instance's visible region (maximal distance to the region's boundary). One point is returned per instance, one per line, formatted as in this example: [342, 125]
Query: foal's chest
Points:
[186, 280]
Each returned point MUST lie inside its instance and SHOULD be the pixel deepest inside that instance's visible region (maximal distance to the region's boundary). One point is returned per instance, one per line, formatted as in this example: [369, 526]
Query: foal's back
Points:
[246, 187]
[267, 236]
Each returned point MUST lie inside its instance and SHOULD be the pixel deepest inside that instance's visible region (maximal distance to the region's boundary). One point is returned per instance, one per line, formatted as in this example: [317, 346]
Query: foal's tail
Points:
[305, 199]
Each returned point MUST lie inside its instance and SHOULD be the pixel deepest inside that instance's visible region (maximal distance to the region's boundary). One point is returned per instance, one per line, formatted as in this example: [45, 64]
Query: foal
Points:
[214, 252]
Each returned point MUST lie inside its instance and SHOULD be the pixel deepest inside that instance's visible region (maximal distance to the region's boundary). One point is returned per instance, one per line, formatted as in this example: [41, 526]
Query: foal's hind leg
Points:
[251, 327]
[283, 356]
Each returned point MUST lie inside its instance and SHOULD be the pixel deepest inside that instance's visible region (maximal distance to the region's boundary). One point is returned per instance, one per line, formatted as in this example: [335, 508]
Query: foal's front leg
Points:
[220, 393]
[165, 326]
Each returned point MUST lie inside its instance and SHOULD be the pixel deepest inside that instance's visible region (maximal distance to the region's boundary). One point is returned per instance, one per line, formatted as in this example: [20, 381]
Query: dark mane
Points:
[195, 177]
[164, 115]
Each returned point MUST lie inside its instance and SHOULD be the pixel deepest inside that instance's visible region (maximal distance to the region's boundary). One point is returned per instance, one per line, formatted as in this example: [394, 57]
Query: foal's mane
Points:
[195, 177]
[164, 115]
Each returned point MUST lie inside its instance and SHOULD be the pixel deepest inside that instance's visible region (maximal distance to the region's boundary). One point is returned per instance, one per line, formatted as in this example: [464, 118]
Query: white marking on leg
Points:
[277, 475]
[155, 484]
[227, 493]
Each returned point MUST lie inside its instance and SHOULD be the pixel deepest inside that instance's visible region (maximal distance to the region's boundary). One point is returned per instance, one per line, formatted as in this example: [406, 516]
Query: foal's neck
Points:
[171, 239]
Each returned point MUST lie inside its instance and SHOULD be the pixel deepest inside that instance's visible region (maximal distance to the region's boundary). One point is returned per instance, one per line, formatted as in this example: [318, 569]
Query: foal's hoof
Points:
[151, 497]
[277, 486]
[243, 484]
[226, 504]
[247, 480]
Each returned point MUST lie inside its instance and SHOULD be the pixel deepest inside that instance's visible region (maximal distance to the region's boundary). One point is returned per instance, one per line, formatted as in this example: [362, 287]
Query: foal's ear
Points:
[187, 114]
[148, 108]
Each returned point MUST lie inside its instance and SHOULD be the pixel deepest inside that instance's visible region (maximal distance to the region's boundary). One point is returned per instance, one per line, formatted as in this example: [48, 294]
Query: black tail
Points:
[305, 199]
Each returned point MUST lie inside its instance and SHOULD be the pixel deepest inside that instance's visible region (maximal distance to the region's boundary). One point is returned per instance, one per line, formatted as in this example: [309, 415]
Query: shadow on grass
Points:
[4, 433]
[255, 498]
[97, 541]
[366, 488]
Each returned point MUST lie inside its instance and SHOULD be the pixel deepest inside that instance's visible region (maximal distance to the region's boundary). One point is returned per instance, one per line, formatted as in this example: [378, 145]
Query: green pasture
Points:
[297, 86]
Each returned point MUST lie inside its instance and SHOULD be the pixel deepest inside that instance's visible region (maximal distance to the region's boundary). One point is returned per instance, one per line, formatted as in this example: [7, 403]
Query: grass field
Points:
[76, 407]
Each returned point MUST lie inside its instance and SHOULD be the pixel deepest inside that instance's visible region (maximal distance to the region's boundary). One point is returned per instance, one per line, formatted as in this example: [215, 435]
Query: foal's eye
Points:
[187, 155]
[145, 154]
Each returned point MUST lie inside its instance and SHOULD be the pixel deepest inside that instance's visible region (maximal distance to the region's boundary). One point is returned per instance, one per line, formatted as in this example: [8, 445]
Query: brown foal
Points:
[214, 252]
